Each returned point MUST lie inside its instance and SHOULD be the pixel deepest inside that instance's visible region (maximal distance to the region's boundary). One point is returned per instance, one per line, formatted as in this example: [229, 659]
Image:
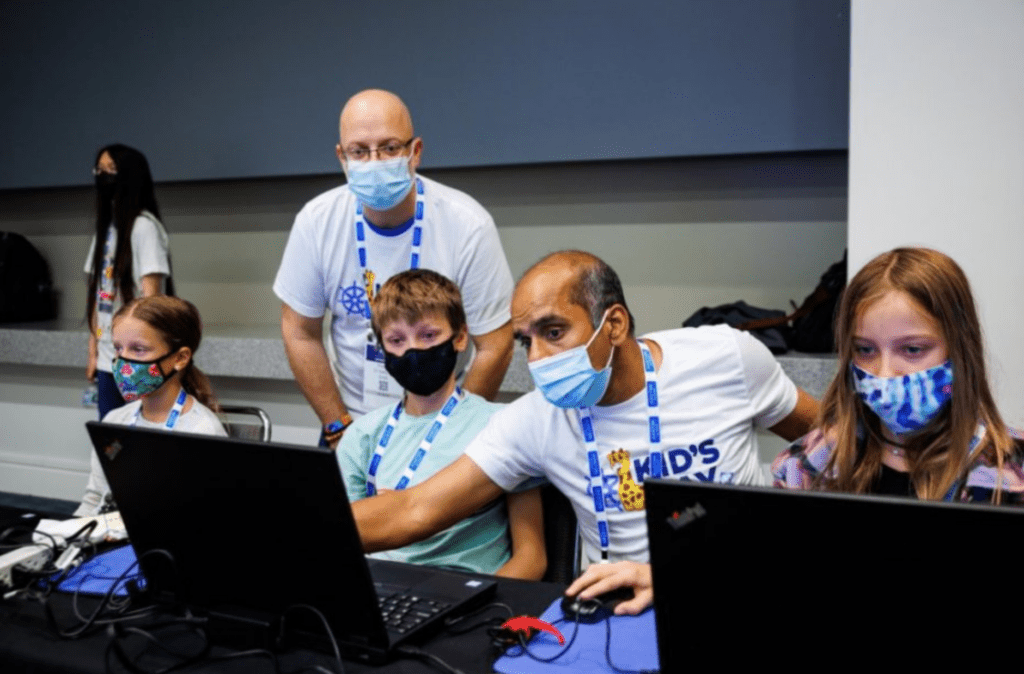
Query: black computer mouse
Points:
[596, 609]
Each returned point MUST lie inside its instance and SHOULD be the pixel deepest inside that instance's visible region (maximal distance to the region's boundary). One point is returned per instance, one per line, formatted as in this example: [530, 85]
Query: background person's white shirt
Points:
[150, 255]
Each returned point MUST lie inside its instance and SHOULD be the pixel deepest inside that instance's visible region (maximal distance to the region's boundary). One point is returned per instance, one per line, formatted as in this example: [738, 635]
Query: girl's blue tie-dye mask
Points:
[909, 403]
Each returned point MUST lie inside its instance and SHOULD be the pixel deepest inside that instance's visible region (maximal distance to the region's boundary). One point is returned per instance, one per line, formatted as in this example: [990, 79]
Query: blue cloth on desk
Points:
[97, 575]
[634, 646]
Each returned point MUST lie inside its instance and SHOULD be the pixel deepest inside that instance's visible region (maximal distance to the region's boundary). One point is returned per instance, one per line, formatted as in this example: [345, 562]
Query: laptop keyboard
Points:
[404, 611]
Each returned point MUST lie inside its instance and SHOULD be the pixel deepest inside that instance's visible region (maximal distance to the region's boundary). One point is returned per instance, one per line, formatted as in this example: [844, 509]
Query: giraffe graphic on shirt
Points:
[368, 278]
[630, 493]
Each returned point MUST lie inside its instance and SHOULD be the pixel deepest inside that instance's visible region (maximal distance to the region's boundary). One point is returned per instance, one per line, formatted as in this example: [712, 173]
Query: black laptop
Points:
[245, 532]
[769, 575]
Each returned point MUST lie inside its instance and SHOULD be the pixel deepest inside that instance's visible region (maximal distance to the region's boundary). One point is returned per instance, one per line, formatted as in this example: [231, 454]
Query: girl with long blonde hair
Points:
[910, 411]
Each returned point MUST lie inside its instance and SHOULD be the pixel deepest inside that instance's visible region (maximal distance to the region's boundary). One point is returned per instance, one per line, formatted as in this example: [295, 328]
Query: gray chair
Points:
[248, 423]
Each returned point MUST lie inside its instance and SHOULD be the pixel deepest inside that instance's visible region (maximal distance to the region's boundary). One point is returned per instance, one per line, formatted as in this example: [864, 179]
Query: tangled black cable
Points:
[107, 611]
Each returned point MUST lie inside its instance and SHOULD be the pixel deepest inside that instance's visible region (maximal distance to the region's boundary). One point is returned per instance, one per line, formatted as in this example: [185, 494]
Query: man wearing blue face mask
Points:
[610, 410]
[347, 242]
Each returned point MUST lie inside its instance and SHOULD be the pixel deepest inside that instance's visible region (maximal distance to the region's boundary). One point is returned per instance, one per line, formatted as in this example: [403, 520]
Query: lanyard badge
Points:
[172, 418]
[595, 475]
[414, 258]
[425, 445]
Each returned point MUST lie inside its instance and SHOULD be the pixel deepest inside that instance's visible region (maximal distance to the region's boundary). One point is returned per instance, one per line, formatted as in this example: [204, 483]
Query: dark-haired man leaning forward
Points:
[588, 426]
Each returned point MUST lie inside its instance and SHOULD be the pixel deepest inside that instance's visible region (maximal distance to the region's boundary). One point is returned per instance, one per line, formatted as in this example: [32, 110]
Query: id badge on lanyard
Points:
[379, 387]
[595, 474]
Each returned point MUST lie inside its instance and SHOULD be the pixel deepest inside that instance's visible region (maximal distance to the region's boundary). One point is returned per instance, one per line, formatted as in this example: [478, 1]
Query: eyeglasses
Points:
[98, 171]
[388, 150]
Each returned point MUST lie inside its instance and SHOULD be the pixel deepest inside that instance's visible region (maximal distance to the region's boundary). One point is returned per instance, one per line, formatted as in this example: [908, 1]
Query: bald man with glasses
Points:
[348, 241]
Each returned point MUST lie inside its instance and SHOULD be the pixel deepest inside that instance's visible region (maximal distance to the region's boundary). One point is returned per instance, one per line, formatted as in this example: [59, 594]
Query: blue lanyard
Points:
[594, 460]
[417, 237]
[421, 451]
[172, 418]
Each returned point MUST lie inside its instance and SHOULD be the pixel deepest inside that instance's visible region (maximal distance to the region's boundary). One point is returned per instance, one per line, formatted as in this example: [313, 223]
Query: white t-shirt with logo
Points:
[150, 255]
[320, 269]
[715, 384]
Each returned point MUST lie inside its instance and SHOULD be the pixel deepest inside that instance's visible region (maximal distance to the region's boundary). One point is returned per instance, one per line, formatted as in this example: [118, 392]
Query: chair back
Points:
[561, 536]
[249, 423]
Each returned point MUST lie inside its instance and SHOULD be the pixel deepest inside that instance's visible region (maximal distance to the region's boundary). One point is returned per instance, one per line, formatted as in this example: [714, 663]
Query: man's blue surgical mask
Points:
[380, 185]
[568, 379]
[909, 403]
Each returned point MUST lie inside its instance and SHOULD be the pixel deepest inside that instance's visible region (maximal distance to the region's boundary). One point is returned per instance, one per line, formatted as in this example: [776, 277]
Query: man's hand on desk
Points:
[601, 578]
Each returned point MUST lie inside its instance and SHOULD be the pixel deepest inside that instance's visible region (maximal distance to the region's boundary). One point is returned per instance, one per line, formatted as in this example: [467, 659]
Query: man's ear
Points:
[618, 322]
[461, 342]
[417, 154]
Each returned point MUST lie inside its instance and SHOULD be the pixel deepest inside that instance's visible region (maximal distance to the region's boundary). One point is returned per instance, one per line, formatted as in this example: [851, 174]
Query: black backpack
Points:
[775, 335]
[812, 320]
[26, 289]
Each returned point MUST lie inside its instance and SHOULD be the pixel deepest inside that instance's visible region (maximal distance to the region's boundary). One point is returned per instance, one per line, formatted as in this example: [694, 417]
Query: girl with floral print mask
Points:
[154, 341]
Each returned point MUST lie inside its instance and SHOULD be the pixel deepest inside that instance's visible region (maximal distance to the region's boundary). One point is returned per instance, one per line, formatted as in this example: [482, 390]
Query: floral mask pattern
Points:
[136, 378]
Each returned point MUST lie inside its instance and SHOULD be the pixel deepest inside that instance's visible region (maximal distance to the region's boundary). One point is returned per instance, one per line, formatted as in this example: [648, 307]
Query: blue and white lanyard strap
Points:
[173, 417]
[979, 433]
[417, 237]
[594, 459]
[421, 451]
[105, 285]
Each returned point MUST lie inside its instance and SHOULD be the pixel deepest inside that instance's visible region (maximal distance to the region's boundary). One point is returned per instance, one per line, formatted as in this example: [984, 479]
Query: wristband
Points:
[334, 429]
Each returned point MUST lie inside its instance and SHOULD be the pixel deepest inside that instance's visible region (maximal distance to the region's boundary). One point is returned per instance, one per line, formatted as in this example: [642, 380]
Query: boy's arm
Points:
[395, 519]
[526, 528]
[352, 464]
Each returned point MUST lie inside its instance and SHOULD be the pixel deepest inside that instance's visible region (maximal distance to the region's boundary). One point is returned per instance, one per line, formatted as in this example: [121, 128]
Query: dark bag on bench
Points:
[26, 290]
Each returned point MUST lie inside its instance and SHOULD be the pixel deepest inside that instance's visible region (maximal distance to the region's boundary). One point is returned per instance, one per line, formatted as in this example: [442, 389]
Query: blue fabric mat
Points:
[97, 575]
[634, 646]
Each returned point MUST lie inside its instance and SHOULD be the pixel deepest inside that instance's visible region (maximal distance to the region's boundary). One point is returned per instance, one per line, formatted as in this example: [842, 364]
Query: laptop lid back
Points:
[749, 571]
[253, 528]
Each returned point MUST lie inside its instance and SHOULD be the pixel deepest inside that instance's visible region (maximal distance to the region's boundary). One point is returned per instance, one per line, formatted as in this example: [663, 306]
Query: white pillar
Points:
[937, 153]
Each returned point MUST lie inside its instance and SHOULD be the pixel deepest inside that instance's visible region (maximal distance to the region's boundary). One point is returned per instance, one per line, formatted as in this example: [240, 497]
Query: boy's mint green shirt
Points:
[479, 543]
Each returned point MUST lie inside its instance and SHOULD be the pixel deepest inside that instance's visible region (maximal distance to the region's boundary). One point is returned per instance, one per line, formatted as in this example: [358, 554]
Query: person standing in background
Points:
[346, 242]
[129, 256]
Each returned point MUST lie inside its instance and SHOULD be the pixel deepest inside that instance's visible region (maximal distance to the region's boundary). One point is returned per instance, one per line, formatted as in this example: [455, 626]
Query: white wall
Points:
[937, 152]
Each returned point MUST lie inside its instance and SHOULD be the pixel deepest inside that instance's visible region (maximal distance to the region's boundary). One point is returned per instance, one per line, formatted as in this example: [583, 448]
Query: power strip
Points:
[26, 558]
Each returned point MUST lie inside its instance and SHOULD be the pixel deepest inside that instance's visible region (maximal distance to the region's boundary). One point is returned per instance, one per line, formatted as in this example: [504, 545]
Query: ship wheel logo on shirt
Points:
[353, 300]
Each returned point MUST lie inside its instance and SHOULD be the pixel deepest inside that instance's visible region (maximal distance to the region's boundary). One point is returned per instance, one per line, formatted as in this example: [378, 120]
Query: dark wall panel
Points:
[228, 88]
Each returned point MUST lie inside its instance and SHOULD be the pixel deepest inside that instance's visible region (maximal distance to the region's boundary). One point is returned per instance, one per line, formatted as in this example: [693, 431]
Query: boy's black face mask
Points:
[423, 371]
